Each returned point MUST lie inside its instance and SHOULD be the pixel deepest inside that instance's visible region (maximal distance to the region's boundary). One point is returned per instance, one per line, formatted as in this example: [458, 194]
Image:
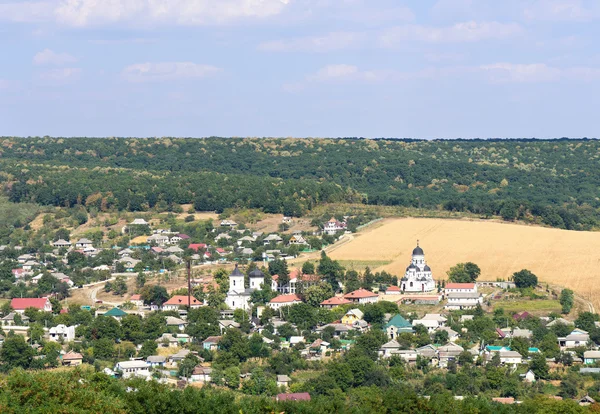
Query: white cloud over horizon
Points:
[470, 31]
[49, 57]
[89, 13]
[166, 71]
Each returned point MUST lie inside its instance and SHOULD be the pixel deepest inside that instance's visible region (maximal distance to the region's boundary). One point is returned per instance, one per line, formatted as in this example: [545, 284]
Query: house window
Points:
[411, 284]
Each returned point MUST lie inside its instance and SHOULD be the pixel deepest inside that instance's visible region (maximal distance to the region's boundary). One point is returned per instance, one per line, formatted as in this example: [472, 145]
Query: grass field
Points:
[535, 307]
[361, 265]
[566, 258]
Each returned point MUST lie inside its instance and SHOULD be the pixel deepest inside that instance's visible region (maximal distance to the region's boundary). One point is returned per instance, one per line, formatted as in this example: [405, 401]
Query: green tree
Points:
[36, 331]
[308, 268]
[368, 278]
[286, 330]
[16, 353]
[154, 294]
[119, 286]
[331, 270]
[231, 375]
[464, 273]
[140, 280]
[586, 321]
[259, 384]
[524, 279]
[186, 367]
[315, 294]
[566, 300]
[352, 282]
[148, 348]
[279, 267]
[440, 337]
[539, 366]
[104, 348]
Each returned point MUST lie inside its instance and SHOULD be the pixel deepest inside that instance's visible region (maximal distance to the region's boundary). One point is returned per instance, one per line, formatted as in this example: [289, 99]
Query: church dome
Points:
[427, 268]
[236, 272]
[418, 251]
[256, 273]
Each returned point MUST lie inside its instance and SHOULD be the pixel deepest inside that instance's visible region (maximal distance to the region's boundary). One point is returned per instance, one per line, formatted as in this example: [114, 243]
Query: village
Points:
[255, 308]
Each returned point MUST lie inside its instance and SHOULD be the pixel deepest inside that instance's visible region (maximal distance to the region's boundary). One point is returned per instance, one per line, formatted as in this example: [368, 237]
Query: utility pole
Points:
[189, 272]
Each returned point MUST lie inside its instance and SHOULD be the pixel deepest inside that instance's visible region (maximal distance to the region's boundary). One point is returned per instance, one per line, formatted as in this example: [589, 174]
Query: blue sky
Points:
[318, 68]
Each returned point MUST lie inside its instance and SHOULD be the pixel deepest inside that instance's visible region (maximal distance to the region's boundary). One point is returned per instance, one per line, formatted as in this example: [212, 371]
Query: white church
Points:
[238, 296]
[418, 277]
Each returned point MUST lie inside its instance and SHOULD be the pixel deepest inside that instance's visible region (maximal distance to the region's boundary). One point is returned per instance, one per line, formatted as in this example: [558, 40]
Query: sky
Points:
[300, 68]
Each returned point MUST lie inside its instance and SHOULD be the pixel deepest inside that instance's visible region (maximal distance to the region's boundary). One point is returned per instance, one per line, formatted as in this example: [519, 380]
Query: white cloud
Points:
[61, 75]
[27, 11]
[494, 73]
[49, 57]
[82, 13]
[326, 43]
[461, 32]
[164, 71]
[562, 10]
[511, 72]
[583, 74]
[340, 71]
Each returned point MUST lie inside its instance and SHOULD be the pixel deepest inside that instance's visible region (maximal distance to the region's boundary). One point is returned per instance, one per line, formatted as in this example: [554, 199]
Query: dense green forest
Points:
[78, 391]
[554, 182]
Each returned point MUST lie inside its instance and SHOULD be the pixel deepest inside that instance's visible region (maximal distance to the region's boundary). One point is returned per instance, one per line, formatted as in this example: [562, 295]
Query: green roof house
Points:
[398, 325]
[116, 313]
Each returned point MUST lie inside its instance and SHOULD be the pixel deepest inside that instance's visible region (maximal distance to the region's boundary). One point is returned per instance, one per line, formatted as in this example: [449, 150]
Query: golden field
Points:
[561, 257]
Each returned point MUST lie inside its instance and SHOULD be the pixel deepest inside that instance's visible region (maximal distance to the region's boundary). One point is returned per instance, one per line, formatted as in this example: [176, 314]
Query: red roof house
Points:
[334, 301]
[20, 304]
[393, 290]
[197, 246]
[362, 296]
[180, 300]
[284, 300]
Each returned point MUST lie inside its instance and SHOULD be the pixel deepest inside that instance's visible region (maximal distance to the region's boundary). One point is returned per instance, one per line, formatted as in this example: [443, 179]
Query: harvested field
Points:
[561, 257]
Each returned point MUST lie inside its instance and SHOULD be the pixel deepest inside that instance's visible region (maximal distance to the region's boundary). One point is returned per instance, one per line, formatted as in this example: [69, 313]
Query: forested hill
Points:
[554, 181]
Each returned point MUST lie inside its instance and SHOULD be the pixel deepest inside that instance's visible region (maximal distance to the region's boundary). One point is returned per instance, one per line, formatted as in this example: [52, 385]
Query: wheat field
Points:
[561, 257]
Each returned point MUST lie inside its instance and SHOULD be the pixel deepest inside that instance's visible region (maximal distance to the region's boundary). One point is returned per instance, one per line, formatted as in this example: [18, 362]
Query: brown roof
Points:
[72, 355]
[504, 400]
[335, 301]
[286, 299]
[297, 396]
[182, 300]
[460, 286]
[360, 293]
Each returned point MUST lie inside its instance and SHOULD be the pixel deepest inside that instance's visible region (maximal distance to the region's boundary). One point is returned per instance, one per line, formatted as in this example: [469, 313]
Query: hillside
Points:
[553, 182]
[561, 257]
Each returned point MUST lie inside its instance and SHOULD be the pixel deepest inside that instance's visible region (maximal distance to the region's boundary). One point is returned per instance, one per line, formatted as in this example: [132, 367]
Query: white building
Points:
[83, 243]
[510, 357]
[61, 243]
[460, 288]
[418, 277]
[159, 239]
[362, 296]
[333, 226]
[284, 300]
[431, 321]
[238, 297]
[61, 332]
[578, 337]
[457, 301]
[133, 368]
